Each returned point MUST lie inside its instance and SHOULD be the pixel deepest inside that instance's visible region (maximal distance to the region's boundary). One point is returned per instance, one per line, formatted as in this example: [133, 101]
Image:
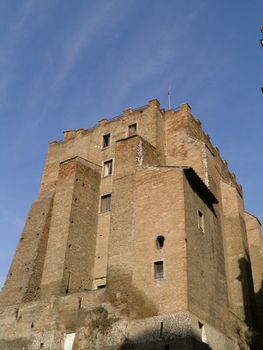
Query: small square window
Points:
[158, 270]
[105, 204]
[105, 140]
[200, 218]
[132, 129]
[107, 168]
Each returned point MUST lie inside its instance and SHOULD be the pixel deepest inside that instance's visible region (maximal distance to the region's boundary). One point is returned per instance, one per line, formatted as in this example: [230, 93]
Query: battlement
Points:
[153, 124]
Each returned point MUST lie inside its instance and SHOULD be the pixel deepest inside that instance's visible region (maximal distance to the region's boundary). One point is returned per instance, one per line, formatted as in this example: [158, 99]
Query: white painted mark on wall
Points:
[69, 340]
[204, 337]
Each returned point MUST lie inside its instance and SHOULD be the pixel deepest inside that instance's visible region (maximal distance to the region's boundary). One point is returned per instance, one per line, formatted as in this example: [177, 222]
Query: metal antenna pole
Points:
[169, 98]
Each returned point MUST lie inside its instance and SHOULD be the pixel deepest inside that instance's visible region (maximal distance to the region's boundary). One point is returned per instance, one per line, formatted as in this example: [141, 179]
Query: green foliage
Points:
[104, 325]
[101, 310]
[102, 322]
[249, 338]
[253, 339]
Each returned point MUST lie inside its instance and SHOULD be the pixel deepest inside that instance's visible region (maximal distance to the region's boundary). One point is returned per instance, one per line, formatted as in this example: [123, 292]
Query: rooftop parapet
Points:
[70, 134]
[154, 104]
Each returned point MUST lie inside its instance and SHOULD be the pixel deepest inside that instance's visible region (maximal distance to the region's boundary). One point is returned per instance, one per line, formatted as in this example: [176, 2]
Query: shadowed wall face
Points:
[240, 285]
[207, 287]
[255, 242]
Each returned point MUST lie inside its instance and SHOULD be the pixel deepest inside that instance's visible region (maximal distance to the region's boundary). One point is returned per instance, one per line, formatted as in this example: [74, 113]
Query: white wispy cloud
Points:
[14, 34]
[90, 28]
[145, 59]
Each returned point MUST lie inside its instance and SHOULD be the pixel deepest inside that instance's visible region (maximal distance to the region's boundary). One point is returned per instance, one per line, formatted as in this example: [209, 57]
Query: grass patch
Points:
[102, 322]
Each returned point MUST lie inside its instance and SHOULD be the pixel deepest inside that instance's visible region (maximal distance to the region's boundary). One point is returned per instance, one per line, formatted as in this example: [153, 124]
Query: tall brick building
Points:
[138, 240]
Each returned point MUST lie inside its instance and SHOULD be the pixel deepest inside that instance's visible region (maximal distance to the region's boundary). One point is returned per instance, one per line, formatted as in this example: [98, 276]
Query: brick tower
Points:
[138, 240]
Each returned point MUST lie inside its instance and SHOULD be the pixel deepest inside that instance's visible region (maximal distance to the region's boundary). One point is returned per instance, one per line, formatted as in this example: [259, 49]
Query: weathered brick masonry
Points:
[138, 240]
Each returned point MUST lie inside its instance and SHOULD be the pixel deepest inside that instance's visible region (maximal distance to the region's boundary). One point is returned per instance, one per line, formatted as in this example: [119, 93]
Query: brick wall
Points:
[24, 277]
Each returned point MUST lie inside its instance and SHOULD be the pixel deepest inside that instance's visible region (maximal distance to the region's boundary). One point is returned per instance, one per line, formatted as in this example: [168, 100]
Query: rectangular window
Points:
[200, 218]
[158, 270]
[105, 140]
[105, 204]
[132, 129]
[107, 168]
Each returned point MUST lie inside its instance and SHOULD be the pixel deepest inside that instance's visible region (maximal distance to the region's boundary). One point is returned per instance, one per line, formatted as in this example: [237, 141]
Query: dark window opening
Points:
[107, 169]
[200, 218]
[17, 312]
[161, 330]
[158, 270]
[132, 129]
[105, 204]
[106, 140]
[102, 286]
[160, 241]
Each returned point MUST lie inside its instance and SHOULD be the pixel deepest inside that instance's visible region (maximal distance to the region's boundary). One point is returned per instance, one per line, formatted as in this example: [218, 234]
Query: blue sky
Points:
[65, 64]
